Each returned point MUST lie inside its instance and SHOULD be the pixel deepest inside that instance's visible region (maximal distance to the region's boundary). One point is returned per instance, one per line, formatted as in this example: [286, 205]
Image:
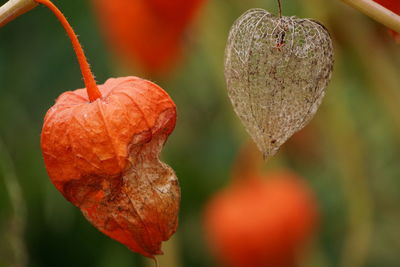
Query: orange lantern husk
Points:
[101, 148]
[103, 157]
[261, 220]
[147, 33]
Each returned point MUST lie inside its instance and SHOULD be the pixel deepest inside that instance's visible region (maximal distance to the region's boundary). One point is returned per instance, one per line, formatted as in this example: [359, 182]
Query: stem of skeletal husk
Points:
[280, 8]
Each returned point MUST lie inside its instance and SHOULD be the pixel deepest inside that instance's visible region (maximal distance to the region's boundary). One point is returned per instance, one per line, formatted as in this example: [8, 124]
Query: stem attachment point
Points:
[90, 83]
[280, 8]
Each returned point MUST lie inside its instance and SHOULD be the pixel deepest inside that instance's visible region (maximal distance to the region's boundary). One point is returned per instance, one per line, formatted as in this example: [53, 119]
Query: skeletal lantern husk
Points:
[277, 70]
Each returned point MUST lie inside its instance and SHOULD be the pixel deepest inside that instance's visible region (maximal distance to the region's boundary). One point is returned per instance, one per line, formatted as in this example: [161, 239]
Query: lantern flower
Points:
[394, 6]
[261, 220]
[147, 33]
[101, 145]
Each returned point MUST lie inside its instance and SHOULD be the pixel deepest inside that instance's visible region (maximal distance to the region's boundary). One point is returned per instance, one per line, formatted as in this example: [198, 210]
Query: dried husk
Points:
[103, 157]
[277, 70]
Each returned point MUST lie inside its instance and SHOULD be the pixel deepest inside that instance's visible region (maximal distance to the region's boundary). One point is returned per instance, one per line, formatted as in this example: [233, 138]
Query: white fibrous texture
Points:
[277, 70]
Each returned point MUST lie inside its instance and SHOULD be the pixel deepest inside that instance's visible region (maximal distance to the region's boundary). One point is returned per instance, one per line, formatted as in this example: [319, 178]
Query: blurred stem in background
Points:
[348, 150]
[377, 12]
[349, 154]
[16, 223]
[381, 74]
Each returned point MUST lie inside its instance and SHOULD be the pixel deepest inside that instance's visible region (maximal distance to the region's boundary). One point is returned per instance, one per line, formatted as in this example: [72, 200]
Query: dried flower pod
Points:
[101, 148]
[276, 69]
[103, 157]
[261, 220]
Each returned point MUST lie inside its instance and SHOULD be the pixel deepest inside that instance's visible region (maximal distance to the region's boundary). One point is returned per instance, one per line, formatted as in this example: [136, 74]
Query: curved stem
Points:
[91, 87]
[377, 12]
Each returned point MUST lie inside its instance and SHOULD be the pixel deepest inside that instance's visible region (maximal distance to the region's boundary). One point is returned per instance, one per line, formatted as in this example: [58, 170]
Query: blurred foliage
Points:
[355, 145]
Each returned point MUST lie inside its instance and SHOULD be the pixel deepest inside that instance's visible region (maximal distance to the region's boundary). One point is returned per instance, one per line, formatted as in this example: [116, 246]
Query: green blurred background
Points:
[349, 153]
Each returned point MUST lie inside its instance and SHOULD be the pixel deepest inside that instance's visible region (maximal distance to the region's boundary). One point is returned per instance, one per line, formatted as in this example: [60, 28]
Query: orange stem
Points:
[91, 87]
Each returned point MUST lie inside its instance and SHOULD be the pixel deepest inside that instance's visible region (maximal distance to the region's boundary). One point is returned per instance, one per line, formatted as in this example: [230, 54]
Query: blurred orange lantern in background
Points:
[147, 33]
[261, 220]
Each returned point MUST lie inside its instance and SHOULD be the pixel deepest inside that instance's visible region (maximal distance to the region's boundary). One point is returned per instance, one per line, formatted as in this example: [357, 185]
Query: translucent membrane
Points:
[277, 70]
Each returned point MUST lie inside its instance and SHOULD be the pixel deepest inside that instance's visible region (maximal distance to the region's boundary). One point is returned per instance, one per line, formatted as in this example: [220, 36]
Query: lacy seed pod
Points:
[276, 69]
[101, 146]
